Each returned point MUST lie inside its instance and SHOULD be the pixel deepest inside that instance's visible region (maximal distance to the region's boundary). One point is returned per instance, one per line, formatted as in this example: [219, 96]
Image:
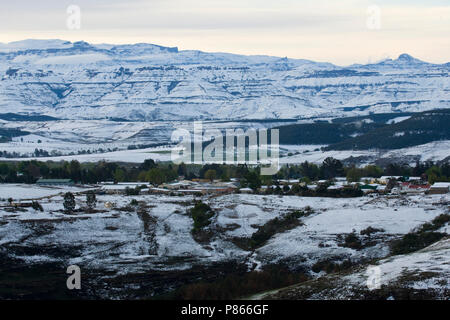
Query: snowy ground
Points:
[423, 274]
[157, 233]
[66, 137]
[31, 191]
[433, 151]
[289, 154]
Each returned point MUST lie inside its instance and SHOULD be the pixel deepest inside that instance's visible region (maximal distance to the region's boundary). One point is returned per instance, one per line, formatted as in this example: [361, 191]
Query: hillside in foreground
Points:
[423, 274]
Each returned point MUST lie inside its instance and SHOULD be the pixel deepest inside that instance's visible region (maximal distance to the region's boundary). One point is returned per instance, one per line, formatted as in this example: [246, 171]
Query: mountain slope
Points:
[419, 129]
[149, 82]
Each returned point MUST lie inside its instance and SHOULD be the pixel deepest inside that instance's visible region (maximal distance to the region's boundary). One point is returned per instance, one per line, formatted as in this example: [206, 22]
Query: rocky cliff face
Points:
[149, 82]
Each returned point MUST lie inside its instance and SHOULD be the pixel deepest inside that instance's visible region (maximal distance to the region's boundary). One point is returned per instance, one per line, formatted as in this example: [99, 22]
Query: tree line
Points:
[159, 172]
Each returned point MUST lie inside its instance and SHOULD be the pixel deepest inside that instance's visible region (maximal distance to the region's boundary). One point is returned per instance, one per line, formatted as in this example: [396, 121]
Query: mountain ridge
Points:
[78, 80]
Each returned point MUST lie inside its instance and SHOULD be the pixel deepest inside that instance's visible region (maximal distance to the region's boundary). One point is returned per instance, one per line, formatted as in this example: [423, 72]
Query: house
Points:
[414, 179]
[385, 179]
[119, 188]
[413, 187]
[368, 187]
[155, 190]
[439, 188]
[288, 181]
[367, 180]
[177, 185]
[335, 187]
[246, 190]
[55, 182]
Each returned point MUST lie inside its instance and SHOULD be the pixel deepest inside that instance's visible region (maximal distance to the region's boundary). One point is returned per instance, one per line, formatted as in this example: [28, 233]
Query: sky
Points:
[338, 31]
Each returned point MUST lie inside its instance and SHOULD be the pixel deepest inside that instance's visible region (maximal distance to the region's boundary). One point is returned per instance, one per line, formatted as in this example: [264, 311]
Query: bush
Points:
[201, 213]
[352, 241]
[69, 202]
[436, 223]
[369, 230]
[329, 266]
[415, 241]
[276, 225]
[37, 206]
[91, 200]
[132, 191]
[422, 238]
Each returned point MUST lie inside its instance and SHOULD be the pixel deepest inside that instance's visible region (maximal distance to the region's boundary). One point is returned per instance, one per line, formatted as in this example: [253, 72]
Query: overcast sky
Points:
[338, 31]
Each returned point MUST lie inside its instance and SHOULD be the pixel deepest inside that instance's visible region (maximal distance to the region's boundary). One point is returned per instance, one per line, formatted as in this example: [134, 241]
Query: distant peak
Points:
[406, 57]
[81, 44]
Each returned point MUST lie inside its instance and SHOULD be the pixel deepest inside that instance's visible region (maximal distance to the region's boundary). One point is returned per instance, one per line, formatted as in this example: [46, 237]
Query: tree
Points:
[373, 171]
[252, 180]
[210, 174]
[182, 171]
[354, 174]
[224, 176]
[309, 170]
[36, 206]
[69, 202]
[433, 173]
[332, 168]
[75, 170]
[148, 164]
[33, 171]
[295, 188]
[266, 180]
[155, 176]
[119, 175]
[91, 200]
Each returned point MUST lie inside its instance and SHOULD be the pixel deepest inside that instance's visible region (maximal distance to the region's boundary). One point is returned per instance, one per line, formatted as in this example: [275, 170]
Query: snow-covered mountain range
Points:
[149, 82]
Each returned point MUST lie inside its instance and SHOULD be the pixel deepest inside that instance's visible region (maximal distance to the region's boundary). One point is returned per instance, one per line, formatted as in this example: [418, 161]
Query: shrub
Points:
[329, 266]
[415, 241]
[436, 223]
[369, 230]
[422, 238]
[37, 206]
[201, 213]
[69, 202]
[132, 191]
[274, 226]
[352, 241]
[91, 200]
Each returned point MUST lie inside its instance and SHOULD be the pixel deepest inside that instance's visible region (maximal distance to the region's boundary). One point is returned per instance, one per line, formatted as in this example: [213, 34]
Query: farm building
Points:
[440, 188]
[55, 182]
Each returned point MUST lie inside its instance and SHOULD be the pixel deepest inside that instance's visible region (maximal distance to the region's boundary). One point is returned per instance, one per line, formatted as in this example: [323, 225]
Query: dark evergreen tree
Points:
[69, 202]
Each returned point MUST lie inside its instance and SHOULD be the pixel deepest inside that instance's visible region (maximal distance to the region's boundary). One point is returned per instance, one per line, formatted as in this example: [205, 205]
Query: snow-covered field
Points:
[120, 238]
[289, 154]
[159, 228]
[93, 140]
[433, 151]
[31, 191]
